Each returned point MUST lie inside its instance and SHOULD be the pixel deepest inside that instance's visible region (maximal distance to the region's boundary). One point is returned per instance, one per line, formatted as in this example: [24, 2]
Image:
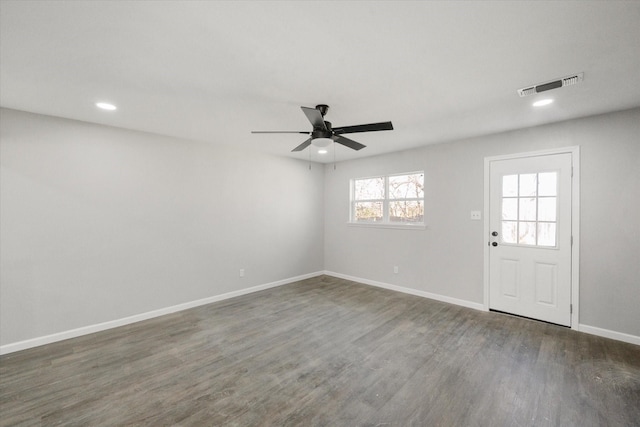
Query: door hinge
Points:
[571, 240]
[570, 308]
[571, 171]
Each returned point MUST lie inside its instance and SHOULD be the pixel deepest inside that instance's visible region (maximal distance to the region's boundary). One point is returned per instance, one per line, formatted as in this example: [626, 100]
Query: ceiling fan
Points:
[323, 134]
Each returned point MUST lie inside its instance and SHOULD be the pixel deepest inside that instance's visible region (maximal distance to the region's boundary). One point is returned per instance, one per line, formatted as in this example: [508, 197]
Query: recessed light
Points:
[322, 151]
[105, 106]
[542, 102]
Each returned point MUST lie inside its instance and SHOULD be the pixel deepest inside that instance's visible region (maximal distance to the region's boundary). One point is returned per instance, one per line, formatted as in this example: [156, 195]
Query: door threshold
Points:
[528, 318]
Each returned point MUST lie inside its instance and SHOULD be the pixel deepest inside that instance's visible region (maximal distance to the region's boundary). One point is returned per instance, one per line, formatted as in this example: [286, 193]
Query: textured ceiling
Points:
[214, 71]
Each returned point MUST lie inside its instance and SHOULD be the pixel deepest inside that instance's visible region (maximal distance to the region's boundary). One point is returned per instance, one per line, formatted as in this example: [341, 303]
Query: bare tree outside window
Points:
[369, 195]
[406, 194]
[395, 199]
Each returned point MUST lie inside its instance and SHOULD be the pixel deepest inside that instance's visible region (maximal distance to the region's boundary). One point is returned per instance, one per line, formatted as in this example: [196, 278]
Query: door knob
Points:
[494, 244]
[494, 233]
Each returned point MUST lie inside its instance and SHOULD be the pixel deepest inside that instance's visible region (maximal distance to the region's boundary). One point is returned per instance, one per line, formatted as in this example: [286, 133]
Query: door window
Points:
[529, 209]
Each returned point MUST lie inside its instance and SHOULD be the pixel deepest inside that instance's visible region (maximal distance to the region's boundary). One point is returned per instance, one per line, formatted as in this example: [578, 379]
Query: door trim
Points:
[575, 223]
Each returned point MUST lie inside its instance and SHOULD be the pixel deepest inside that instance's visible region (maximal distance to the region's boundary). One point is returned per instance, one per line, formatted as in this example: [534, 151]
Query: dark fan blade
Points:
[279, 131]
[315, 117]
[303, 145]
[372, 127]
[347, 142]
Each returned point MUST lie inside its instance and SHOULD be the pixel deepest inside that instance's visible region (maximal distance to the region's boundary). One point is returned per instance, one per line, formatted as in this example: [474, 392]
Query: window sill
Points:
[388, 225]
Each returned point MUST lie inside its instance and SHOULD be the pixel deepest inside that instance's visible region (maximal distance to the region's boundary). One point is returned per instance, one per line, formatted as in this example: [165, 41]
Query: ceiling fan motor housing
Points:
[322, 133]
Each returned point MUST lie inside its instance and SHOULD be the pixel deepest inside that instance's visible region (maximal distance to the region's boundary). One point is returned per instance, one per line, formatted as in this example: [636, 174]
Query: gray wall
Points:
[99, 223]
[447, 257]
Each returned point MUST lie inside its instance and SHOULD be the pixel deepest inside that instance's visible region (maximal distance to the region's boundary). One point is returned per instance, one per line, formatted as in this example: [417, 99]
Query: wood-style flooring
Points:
[326, 352]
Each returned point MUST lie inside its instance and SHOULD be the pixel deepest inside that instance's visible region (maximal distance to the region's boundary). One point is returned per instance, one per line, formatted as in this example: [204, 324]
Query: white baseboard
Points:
[619, 336]
[410, 291]
[606, 333]
[85, 330]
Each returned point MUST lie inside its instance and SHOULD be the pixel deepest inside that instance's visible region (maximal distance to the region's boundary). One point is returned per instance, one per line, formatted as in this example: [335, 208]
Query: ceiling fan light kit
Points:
[322, 142]
[323, 134]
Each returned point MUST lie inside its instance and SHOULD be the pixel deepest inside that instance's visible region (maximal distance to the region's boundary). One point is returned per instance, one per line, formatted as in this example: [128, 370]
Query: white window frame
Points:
[385, 223]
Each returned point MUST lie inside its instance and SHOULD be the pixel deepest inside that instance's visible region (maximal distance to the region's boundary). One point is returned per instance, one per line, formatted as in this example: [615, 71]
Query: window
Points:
[529, 209]
[388, 200]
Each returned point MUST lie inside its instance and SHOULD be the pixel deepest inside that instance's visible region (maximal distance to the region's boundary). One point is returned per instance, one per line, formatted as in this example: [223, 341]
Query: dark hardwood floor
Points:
[326, 352]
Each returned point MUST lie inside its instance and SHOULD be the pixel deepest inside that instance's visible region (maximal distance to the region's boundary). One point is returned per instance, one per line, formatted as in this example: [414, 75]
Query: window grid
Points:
[547, 228]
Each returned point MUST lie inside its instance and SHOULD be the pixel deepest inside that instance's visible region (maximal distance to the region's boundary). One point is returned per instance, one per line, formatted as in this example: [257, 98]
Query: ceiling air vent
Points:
[564, 81]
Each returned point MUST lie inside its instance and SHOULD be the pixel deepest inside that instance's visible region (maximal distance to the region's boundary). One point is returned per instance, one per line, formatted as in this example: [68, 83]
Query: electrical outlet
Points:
[242, 272]
[395, 269]
[476, 215]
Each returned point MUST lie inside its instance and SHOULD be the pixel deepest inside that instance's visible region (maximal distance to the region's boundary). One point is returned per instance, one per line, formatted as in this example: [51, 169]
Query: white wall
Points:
[99, 223]
[447, 258]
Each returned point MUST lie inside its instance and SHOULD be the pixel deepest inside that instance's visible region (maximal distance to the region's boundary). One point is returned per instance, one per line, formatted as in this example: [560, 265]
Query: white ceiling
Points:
[214, 71]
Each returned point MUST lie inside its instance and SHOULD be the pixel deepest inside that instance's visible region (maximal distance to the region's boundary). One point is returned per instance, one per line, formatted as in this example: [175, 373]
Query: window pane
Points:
[546, 234]
[367, 189]
[406, 211]
[509, 231]
[527, 233]
[528, 184]
[368, 211]
[547, 209]
[509, 185]
[527, 209]
[547, 184]
[510, 209]
[406, 186]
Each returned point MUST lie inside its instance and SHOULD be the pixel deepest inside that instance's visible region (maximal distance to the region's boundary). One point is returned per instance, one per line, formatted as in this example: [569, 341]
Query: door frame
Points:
[575, 222]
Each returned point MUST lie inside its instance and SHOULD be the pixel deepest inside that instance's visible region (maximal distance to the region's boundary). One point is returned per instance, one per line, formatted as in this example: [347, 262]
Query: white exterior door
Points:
[530, 237]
